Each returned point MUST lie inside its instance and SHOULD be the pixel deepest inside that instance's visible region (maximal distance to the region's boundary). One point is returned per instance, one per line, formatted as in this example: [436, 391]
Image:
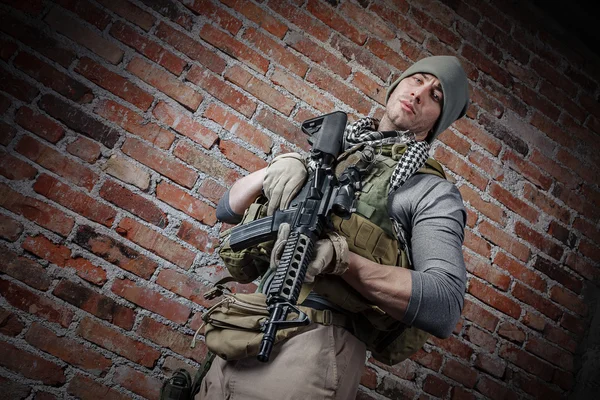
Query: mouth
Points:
[407, 106]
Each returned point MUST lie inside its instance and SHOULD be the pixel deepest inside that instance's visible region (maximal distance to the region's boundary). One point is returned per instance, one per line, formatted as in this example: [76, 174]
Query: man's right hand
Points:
[284, 178]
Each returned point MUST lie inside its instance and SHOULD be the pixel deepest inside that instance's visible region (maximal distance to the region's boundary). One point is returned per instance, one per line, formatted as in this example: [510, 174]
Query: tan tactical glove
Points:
[282, 236]
[285, 176]
[330, 257]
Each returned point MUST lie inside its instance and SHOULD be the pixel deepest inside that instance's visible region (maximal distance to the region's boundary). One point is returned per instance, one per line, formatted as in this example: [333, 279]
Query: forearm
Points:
[246, 190]
[388, 287]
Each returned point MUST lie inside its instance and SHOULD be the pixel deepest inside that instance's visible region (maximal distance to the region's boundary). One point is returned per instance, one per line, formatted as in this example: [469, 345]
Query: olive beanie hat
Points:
[455, 87]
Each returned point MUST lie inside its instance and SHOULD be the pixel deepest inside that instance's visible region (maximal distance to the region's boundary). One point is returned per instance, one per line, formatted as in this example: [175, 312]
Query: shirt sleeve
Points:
[225, 213]
[433, 215]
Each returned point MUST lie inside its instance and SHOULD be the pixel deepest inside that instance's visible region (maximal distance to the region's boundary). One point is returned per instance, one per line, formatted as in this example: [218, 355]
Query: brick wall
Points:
[123, 122]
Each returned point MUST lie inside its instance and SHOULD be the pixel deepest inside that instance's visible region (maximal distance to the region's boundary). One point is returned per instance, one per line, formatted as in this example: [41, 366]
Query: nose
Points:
[417, 93]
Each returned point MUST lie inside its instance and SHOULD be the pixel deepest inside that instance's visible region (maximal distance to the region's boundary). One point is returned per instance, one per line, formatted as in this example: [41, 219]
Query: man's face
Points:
[415, 104]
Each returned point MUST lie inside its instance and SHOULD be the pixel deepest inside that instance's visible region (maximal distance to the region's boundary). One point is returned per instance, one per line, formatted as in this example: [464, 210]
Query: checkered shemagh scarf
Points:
[365, 131]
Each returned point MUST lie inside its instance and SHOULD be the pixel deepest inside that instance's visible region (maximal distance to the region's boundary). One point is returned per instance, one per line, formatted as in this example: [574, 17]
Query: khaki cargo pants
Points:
[325, 362]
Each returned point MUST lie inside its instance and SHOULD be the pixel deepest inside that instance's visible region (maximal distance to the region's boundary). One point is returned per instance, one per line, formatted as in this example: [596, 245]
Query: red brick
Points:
[7, 49]
[240, 156]
[479, 315]
[283, 128]
[477, 244]
[550, 353]
[86, 388]
[79, 121]
[539, 302]
[5, 104]
[369, 87]
[211, 190]
[32, 303]
[221, 90]
[239, 127]
[511, 332]
[304, 21]
[234, 48]
[435, 386]
[37, 40]
[134, 203]
[334, 87]
[490, 364]
[504, 240]
[87, 11]
[431, 359]
[151, 300]
[10, 229]
[534, 321]
[84, 148]
[560, 337]
[276, 52]
[530, 235]
[125, 170]
[518, 271]
[53, 78]
[183, 285]
[172, 364]
[156, 243]
[487, 208]
[54, 161]
[36, 211]
[68, 350]
[205, 163]
[70, 27]
[114, 252]
[467, 128]
[559, 274]
[190, 47]
[24, 269]
[480, 338]
[461, 373]
[494, 390]
[95, 303]
[453, 345]
[165, 82]
[526, 361]
[74, 200]
[405, 370]
[187, 203]
[260, 89]
[167, 337]
[184, 124]
[10, 325]
[14, 168]
[39, 124]
[571, 301]
[536, 387]
[197, 237]
[113, 340]
[130, 12]
[17, 87]
[138, 382]
[160, 162]
[481, 268]
[172, 11]
[494, 298]
[30, 365]
[147, 47]
[546, 204]
[300, 89]
[331, 18]
[259, 16]
[134, 123]
[114, 83]
[317, 54]
[220, 16]
[460, 167]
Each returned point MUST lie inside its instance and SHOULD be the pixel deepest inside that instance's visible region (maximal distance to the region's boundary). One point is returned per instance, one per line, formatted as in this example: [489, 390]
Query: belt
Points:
[324, 316]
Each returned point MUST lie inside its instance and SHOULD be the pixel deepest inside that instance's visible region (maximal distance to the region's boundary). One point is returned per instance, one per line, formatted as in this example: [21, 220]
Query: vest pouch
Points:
[248, 264]
[232, 327]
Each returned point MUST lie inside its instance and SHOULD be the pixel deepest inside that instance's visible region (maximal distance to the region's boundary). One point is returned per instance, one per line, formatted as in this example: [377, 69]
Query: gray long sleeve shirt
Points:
[433, 215]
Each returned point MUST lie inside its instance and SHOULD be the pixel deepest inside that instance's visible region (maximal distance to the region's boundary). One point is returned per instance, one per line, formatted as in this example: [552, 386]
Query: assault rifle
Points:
[308, 215]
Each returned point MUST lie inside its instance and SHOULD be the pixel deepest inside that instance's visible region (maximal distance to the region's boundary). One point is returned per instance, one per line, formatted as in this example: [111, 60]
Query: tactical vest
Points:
[369, 233]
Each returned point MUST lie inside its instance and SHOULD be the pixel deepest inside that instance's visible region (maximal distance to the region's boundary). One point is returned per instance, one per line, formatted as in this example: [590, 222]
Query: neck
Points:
[387, 125]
